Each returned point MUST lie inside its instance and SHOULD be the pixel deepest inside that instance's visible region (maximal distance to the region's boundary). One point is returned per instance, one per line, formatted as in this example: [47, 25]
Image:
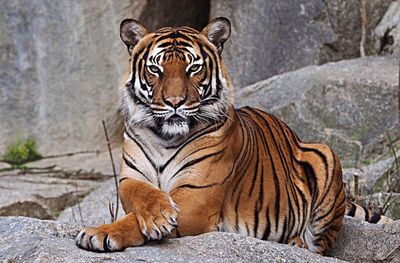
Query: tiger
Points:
[193, 164]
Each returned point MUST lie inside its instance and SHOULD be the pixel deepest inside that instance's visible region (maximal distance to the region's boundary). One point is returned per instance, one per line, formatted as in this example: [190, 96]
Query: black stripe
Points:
[174, 35]
[260, 202]
[282, 239]
[105, 245]
[142, 149]
[195, 136]
[195, 161]
[122, 179]
[352, 210]
[133, 167]
[267, 230]
[375, 218]
[190, 186]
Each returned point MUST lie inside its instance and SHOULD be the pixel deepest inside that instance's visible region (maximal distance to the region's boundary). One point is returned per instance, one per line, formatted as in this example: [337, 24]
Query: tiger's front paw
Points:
[157, 216]
[111, 237]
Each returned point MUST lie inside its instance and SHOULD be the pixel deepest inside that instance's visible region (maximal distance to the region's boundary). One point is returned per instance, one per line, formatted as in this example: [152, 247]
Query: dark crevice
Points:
[164, 13]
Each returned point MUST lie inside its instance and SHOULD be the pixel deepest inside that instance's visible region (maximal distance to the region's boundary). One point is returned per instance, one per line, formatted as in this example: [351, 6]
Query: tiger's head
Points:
[177, 79]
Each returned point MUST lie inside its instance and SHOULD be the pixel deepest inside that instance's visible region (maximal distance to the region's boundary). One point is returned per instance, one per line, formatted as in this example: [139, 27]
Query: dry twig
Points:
[114, 214]
[364, 26]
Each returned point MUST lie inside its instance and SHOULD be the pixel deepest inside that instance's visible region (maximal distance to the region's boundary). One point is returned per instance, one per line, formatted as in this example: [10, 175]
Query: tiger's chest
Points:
[166, 168]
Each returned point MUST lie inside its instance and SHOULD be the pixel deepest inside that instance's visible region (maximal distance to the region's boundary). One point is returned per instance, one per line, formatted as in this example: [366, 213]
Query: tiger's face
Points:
[177, 78]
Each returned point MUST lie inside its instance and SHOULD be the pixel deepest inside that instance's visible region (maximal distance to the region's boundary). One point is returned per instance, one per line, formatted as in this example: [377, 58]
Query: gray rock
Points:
[388, 31]
[272, 37]
[60, 71]
[344, 16]
[369, 174]
[31, 240]
[61, 63]
[363, 242]
[349, 104]
[94, 208]
[48, 186]
[95, 162]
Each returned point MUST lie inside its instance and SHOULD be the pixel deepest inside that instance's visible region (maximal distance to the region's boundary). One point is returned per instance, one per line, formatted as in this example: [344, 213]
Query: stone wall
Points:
[272, 37]
[62, 63]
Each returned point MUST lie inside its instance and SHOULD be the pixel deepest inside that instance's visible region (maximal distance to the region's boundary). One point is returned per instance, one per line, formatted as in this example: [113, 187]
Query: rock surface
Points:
[93, 210]
[363, 242]
[272, 37]
[48, 186]
[369, 175]
[62, 63]
[24, 239]
[349, 104]
[31, 240]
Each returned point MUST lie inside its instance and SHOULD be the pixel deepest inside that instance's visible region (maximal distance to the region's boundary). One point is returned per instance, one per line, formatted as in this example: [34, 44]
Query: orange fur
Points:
[213, 167]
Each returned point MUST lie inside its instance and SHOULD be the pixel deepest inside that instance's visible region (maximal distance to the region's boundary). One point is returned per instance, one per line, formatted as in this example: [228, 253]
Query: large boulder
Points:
[272, 37]
[43, 189]
[363, 242]
[61, 63]
[350, 105]
[26, 239]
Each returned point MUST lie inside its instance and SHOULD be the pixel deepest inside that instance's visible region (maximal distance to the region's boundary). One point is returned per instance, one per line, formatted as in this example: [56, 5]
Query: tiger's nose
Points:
[175, 102]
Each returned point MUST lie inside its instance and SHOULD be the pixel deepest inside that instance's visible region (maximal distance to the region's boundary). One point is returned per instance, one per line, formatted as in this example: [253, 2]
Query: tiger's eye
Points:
[153, 69]
[195, 68]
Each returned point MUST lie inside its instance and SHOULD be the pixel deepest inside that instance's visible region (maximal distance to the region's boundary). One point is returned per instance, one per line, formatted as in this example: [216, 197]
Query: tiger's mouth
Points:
[176, 119]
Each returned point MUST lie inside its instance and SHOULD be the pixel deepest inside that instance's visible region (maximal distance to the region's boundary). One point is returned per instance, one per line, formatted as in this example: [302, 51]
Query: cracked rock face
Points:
[272, 37]
[48, 186]
[349, 104]
[31, 240]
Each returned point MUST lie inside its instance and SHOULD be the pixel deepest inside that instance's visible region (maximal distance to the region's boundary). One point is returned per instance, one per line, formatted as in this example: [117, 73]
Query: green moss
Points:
[21, 152]
[366, 162]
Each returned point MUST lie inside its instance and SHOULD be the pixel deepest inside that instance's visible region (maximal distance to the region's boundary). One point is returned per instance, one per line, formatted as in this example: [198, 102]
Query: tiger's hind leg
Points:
[326, 222]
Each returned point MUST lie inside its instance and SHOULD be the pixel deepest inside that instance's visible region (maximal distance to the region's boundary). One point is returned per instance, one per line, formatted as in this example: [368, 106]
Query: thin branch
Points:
[111, 210]
[364, 26]
[115, 215]
[386, 205]
[79, 203]
[356, 189]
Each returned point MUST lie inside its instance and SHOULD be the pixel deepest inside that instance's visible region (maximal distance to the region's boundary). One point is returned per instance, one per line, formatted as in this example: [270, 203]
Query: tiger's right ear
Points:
[131, 31]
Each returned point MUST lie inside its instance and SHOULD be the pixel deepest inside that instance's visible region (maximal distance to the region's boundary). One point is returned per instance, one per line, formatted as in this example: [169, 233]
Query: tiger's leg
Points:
[150, 214]
[119, 235]
[327, 218]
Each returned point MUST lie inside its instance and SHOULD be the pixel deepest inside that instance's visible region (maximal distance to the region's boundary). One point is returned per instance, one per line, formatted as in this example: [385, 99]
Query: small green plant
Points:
[21, 152]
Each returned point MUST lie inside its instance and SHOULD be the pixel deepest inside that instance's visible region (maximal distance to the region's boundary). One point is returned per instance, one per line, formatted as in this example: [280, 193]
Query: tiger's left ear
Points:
[218, 31]
[131, 31]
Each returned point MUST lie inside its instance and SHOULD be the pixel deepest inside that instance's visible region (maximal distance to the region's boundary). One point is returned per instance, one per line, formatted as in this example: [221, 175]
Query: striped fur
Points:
[193, 164]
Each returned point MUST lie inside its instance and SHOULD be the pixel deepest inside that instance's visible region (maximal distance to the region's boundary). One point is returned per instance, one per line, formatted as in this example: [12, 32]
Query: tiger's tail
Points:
[362, 213]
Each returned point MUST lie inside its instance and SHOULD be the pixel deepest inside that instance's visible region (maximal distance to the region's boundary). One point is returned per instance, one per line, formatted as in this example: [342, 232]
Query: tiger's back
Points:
[284, 190]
